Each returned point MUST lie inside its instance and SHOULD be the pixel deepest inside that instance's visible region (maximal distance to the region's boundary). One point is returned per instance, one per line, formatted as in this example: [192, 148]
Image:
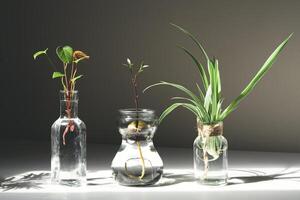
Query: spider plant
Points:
[206, 105]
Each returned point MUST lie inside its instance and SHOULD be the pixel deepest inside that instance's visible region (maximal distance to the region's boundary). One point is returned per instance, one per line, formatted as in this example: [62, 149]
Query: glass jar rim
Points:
[127, 111]
[64, 91]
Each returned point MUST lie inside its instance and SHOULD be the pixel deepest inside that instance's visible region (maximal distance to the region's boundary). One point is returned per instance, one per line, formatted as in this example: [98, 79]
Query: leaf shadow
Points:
[258, 176]
[26, 181]
[261, 177]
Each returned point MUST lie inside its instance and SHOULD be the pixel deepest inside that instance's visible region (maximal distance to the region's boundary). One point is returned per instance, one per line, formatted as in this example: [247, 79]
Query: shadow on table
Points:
[261, 176]
[26, 181]
[173, 178]
[37, 180]
[258, 176]
[97, 181]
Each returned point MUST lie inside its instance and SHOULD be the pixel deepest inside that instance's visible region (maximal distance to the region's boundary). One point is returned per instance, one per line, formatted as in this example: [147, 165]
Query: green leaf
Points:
[199, 65]
[171, 108]
[218, 79]
[200, 92]
[37, 54]
[263, 70]
[193, 109]
[186, 91]
[57, 75]
[65, 54]
[219, 108]
[214, 89]
[167, 111]
[193, 38]
[207, 99]
[184, 98]
[76, 78]
[142, 67]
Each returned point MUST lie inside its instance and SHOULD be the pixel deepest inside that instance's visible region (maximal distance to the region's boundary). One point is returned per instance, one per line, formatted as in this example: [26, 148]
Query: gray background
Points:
[241, 34]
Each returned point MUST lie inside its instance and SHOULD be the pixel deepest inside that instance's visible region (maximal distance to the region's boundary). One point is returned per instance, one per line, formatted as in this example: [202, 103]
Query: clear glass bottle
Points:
[210, 155]
[137, 161]
[68, 143]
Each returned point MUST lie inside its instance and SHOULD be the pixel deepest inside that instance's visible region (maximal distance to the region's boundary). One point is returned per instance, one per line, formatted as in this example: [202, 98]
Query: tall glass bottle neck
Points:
[68, 109]
[68, 104]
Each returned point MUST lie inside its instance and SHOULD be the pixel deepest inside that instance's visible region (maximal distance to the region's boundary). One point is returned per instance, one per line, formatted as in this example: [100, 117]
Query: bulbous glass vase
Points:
[68, 143]
[137, 162]
[210, 155]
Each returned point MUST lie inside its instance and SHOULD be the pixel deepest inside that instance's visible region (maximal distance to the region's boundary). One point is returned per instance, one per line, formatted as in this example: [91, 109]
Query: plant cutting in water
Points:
[68, 76]
[136, 126]
[206, 105]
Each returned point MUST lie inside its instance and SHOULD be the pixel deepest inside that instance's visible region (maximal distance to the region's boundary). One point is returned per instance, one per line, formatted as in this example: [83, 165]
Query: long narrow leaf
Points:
[184, 98]
[200, 67]
[263, 70]
[193, 109]
[167, 111]
[193, 38]
[188, 92]
[207, 100]
[218, 79]
[200, 92]
[171, 108]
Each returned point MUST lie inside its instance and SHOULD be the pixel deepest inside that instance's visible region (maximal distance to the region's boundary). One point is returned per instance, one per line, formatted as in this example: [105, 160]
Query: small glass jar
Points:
[137, 162]
[68, 143]
[210, 155]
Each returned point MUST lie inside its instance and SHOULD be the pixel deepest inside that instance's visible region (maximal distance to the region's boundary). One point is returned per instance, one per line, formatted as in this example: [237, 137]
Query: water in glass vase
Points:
[68, 143]
[210, 155]
[137, 162]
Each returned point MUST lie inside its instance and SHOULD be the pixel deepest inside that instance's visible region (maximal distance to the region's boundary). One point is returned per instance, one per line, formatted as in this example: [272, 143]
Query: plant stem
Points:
[205, 159]
[72, 70]
[136, 102]
[142, 161]
[135, 93]
[66, 79]
[69, 93]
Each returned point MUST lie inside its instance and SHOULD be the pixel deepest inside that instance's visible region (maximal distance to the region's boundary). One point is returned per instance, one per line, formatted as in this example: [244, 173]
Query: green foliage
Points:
[57, 75]
[39, 53]
[65, 54]
[264, 69]
[136, 70]
[70, 60]
[208, 107]
[76, 78]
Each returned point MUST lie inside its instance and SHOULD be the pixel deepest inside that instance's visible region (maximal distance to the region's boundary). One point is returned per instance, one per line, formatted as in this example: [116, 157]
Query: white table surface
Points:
[253, 175]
